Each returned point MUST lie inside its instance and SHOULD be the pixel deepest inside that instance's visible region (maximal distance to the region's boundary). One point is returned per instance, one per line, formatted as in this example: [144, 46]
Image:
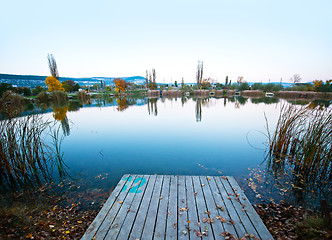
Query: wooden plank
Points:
[220, 201]
[173, 207]
[201, 208]
[238, 208]
[171, 225]
[137, 228]
[131, 215]
[192, 210]
[217, 227]
[230, 209]
[94, 226]
[252, 214]
[105, 226]
[148, 230]
[138, 187]
[160, 229]
[183, 232]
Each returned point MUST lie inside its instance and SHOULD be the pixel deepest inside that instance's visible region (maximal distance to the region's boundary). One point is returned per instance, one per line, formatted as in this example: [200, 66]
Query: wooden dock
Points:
[177, 207]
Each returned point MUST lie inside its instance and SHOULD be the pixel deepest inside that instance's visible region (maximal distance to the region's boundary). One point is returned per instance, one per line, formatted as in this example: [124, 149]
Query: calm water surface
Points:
[167, 136]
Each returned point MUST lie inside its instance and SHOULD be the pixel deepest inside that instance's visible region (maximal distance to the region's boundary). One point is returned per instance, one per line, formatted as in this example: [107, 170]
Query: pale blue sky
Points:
[257, 39]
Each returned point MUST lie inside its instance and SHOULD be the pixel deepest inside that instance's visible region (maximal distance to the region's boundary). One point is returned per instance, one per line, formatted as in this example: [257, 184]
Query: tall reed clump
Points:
[26, 159]
[302, 143]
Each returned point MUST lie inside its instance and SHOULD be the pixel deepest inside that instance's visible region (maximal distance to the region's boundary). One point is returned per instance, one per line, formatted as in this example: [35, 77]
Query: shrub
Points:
[83, 97]
[59, 98]
[43, 97]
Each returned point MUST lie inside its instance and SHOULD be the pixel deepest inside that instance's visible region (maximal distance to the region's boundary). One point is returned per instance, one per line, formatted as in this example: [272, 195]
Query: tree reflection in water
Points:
[152, 106]
[60, 114]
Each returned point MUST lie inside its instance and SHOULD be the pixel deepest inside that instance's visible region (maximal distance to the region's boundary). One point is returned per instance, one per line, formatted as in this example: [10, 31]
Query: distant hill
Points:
[34, 80]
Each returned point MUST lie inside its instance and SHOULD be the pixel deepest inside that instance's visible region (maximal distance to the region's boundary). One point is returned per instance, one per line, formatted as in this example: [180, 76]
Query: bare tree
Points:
[154, 75]
[296, 79]
[52, 65]
[147, 79]
[199, 74]
[240, 80]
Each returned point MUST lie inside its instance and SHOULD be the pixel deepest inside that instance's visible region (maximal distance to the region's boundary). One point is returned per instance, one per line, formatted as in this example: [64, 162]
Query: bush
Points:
[256, 86]
[243, 86]
[233, 86]
[43, 97]
[83, 97]
[59, 98]
[37, 90]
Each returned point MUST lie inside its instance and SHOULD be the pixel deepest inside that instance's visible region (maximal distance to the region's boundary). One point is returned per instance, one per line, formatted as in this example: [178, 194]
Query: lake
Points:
[181, 136]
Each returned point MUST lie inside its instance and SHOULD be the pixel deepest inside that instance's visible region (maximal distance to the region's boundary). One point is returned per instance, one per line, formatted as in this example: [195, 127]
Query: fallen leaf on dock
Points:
[221, 219]
[220, 207]
[198, 233]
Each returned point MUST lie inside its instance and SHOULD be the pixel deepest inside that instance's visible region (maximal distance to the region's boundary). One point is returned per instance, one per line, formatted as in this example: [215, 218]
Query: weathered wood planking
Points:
[177, 207]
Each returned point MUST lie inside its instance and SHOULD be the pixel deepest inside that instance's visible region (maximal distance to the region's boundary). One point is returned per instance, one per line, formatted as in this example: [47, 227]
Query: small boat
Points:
[269, 94]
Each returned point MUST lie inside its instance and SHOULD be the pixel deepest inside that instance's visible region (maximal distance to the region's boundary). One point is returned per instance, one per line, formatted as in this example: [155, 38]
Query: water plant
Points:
[26, 158]
[300, 149]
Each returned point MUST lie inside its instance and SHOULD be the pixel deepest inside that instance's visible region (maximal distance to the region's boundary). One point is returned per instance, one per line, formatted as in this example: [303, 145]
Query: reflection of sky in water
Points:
[104, 140]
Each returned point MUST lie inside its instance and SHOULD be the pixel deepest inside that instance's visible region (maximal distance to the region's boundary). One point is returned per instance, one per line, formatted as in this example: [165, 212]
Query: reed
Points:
[301, 148]
[26, 158]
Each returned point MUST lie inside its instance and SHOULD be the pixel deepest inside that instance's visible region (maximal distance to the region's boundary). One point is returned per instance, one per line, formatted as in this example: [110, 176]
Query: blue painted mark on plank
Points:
[133, 189]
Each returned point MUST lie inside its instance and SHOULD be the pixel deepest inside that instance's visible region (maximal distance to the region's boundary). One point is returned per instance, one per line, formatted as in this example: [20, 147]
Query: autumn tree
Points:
[319, 86]
[53, 82]
[120, 85]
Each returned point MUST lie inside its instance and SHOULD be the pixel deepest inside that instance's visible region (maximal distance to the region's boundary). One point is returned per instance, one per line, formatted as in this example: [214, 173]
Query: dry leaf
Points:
[198, 233]
[221, 219]
[220, 207]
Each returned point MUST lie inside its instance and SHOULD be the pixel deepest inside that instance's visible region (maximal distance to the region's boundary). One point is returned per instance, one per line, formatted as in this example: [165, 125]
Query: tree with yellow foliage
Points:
[120, 85]
[53, 82]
